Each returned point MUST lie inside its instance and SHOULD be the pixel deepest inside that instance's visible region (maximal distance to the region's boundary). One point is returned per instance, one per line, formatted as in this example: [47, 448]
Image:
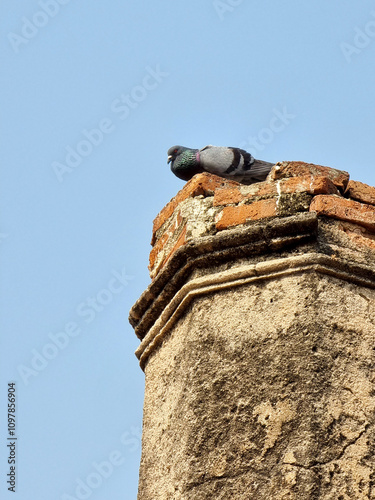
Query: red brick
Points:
[361, 192]
[287, 169]
[227, 196]
[235, 195]
[308, 184]
[305, 184]
[180, 241]
[344, 209]
[233, 216]
[359, 235]
[201, 184]
[311, 184]
[156, 249]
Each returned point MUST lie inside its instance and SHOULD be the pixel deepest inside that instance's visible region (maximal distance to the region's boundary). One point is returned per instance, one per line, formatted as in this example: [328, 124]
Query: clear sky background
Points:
[93, 93]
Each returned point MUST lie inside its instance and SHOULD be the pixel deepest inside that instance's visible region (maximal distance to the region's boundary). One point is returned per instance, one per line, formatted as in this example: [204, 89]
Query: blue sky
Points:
[93, 94]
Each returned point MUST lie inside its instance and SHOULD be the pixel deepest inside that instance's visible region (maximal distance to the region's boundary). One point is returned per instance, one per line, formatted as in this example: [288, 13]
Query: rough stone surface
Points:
[264, 391]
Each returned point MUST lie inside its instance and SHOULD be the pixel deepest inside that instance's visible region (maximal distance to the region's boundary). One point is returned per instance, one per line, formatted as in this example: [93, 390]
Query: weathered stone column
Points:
[258, 340]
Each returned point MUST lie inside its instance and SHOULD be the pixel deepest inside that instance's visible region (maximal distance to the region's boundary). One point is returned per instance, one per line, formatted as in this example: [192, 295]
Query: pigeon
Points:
[232, 163]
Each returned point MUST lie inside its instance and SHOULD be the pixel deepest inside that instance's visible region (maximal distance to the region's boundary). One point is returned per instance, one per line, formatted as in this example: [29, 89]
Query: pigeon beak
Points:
[170, 158]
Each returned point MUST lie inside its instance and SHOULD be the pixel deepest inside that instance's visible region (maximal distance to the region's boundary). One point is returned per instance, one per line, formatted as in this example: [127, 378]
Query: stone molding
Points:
[259, 238]
[268, 270]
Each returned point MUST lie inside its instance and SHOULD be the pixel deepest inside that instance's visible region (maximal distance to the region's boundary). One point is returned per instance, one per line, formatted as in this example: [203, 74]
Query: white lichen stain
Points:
[199, 215]
[278, 188]
[219, 466]
[273, 418]
[311, 184]
[289, 458]
[290, 476]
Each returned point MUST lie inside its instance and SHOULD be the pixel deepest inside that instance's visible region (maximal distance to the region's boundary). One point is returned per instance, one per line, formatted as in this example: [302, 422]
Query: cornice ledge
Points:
[268, 270]
[259, 237]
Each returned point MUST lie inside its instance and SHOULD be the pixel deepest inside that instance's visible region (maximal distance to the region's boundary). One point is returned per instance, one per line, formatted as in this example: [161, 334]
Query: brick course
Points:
[287, 169]
[304, 184]
[343, 209]
[291, 187]
[361, 192]
[233, 216]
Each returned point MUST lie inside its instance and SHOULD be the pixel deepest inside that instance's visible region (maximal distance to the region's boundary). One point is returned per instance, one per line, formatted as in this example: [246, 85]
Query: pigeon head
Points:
[174, 151]
[184, 162]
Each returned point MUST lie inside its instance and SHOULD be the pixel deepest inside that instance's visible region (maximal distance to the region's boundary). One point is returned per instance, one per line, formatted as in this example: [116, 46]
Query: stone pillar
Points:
[258, 340]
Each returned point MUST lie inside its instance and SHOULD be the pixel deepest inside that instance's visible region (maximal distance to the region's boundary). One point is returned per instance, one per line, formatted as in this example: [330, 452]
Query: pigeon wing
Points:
[234, 163]
[218, 160]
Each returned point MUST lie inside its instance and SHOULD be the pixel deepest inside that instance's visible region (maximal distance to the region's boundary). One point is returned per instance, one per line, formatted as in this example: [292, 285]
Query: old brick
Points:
[227, 196]
[306, 184]
[160, 254]
[242, 192]
[309, 184]
[361, 192]
[201, 184]
[180, 241]
[287, 169]
[156, 249]
[344, 209]
[233, 216]
[358, 235]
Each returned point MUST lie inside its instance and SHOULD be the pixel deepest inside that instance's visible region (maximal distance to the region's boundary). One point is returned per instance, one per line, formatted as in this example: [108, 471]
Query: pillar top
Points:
[214, 225]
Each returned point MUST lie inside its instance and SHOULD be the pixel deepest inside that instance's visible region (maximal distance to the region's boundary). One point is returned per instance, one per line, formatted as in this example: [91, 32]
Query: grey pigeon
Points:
[232, 163]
